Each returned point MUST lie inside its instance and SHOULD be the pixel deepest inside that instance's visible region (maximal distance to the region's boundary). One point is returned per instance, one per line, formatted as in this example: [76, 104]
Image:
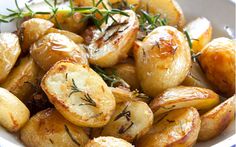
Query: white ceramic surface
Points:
[221, 13]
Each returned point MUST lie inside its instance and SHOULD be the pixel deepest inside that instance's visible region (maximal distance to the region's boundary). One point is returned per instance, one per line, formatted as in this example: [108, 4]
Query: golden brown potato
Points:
[168, 9]
[9, 52]
[108, 142]
[121, 4]
[79, 94]
[64, 21]
[32, 30]
[22, 77]
[179, 128]
[130, 121]
[200, 32]
[162, 60]
[218, 62]
[48, 128]
[112, 44]
[216, 120]
[72, 36]
[13, 113]
[127, 72]
[54, 47]
[182, 97]
[123, 95]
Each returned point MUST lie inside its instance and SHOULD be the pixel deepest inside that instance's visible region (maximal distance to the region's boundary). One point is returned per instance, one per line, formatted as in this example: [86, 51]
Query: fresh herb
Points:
[89, 100]
[110, 79]
[71, 136]
[140, 95]
[123, 5]
[124, 113]
[122, 129]
[74, 88]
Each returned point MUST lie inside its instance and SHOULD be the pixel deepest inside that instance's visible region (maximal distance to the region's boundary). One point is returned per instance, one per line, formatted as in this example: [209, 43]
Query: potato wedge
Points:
[79, 94]
[168, 9]
[22, 77]
[178, 128]
[162, 60]
[108, 142]
[54, 47]
[216, 120]
[182, 97]
[218, 62]
[9, 52]
[200, 31]
[124, 95]
[13, 113]
[72, 36]
[48, 128]
[124, 4]
[130, 121]
[113, 43]
[32, 30]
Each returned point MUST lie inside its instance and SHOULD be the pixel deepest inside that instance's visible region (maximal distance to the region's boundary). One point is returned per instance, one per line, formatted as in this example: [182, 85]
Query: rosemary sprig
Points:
[124, 113]
[89, 101]
[71, 136]
[110, 79]
[123, 5]
[74, 88]
[122, 129]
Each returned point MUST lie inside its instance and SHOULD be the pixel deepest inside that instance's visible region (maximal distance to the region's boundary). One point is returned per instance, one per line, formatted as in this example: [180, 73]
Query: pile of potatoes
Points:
[180, 103]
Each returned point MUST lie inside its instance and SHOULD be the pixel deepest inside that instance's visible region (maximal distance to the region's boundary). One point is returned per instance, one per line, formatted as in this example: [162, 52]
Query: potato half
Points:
[108, 142]
[182, 97]
[9, 52]
[130, 121]
[21, 78]
[112, 43]
[48, 128]
[32, 30]
[168, 9]
[54, 47]
[79, 94]
[162, 60]
[218, 62]
[200, 32]
[13, 113]
[216, 120]
[177, 128]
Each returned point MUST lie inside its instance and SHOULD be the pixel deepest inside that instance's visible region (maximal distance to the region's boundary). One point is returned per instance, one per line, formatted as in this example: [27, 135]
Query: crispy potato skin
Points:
[200, 30]
[162, 60]
[140, 115]
[33, 30]
[9, 52]
[49, 128]
[216, 120]
[58, 84]
[21, 77]
[108, 142]
[54, 47]
[113, 43]
[218, 62]
[178, 128]
[182, 97]
[13, 113]
[169, 9]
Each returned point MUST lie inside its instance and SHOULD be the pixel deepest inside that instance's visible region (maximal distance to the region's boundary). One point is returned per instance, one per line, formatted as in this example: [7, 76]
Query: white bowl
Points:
[221, 13]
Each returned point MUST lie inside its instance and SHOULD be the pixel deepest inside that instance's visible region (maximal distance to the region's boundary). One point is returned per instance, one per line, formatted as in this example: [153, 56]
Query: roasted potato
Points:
[124, 4]
[72, 36]
[200, 32]
[32, 30]
[79, 94]
[108, 142]
[127, 72]
[216, 120]
[9, 52]
[22, 78]
[49, 128]
[123, 95]
[13, 113]
[168, 9]
[113, 43]
[178, 128]
[182, 97]
[54, 47]
[218, 62]
[130, 121]
[162, 60]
